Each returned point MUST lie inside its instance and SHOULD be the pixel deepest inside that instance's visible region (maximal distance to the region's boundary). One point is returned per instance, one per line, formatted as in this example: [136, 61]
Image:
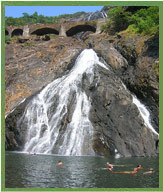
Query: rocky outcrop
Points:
[14, 135]
[134, 59]
[31, 65]
[118, 125]
[142, 74]
[117, 121]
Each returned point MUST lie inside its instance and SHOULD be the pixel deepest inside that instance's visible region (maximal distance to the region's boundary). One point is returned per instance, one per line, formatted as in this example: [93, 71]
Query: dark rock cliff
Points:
[29, 67]
[135, 59]
[117, 121]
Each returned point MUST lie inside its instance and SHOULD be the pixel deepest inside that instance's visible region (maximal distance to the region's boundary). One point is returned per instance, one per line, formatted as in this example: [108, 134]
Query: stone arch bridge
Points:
[63, 29]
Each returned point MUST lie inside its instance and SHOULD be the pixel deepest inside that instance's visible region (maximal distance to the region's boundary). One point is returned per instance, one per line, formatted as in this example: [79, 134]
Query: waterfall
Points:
[143, 111]
[103, 15]
[58, 117]
[90, 16]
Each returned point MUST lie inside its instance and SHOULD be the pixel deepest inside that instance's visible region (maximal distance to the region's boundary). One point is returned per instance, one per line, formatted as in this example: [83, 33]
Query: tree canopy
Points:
[143, 21]
[27, 19]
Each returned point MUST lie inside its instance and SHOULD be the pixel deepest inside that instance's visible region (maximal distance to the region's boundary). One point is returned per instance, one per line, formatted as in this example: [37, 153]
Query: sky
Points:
[16, 11]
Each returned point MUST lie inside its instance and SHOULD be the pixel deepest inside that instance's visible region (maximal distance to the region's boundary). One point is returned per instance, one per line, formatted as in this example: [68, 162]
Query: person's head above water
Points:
[139, 167]
[60, 163]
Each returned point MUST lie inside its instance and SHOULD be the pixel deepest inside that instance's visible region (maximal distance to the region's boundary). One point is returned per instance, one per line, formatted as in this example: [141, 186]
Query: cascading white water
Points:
[44, 128]
[103, 15]
[90, 16]
[143, 111]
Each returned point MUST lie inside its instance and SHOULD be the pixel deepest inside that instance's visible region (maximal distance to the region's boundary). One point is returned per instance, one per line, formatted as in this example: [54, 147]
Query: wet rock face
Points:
[142, 73]
[15, 135]
[31, 65]
[135, 60]
[116, 120]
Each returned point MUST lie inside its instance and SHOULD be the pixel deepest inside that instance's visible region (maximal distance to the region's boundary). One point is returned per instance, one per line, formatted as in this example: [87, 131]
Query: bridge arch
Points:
[44, 31]
[6, 32]
[79, 28]
[17, 32]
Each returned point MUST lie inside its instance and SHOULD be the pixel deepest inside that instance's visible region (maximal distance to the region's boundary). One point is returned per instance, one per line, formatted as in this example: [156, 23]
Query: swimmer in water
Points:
[27, 153]
[139, 167]
[110, 169]
[110, 165]
[59, 163]
[151, 170]
[127, 172]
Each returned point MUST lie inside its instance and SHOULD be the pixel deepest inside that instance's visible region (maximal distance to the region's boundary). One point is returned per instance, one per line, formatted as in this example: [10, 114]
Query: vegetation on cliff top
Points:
[27, 19]
[143, 21]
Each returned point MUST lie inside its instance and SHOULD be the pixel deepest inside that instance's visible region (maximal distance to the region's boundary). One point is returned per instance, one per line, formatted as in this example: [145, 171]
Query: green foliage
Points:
[118, 20]
[28, 44]
[9, 39]
[27, 19]
[156, 67]
[143, 21]
[106, 27]
[115, 13]
[132, 29]
[70, 16]
[14, 21]
[146, 21]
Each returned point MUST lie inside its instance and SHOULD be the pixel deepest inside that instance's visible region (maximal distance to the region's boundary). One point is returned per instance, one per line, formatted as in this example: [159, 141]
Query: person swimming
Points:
[27, 153]
[151, 170]
[110, 169]
[110, 165]
[59, 163]
[128, 172]
[139, 167]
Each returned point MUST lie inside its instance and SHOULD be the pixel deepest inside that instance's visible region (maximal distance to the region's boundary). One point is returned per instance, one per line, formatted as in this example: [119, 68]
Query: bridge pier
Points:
[100, 22]
[25, 31]
[62, 31]
[9, 32]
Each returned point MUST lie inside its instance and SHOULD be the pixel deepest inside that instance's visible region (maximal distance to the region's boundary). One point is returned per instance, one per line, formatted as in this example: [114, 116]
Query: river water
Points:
[41, 171]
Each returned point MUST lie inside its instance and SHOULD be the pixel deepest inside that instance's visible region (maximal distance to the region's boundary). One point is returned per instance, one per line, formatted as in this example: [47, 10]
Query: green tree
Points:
[143, 21]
